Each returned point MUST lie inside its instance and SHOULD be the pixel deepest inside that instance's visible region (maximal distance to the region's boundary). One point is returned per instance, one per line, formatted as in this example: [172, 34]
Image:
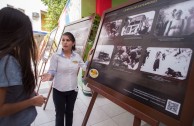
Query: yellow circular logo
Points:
[93, 73]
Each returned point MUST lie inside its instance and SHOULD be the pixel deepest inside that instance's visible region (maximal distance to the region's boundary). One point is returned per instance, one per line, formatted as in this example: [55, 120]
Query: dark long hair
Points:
[72, 38]
[16, 38]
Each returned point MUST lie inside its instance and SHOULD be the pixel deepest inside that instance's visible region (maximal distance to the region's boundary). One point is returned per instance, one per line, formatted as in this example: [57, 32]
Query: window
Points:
[43, 22]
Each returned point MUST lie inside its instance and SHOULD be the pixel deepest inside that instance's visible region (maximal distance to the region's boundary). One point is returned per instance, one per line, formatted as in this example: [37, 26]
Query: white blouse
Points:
[65, 70]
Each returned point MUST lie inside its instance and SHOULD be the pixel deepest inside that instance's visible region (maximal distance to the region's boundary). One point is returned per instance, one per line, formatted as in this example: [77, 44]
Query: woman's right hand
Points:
[38, 100]
[46, 77]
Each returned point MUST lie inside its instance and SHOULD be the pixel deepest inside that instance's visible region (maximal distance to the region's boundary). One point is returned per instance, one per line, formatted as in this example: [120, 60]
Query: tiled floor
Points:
[104, 112]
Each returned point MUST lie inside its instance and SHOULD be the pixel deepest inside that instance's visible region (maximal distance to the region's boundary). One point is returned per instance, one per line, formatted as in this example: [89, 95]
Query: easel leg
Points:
[137, 121]
[48, 96]
[40, 80]
[94, 95]
[41, 68]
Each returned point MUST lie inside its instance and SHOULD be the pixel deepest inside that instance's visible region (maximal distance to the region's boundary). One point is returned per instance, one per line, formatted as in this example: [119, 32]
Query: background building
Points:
[36, 11]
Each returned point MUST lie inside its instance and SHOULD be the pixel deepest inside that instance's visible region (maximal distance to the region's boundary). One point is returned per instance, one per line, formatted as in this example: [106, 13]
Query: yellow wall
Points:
[118, 2]
[88, 7]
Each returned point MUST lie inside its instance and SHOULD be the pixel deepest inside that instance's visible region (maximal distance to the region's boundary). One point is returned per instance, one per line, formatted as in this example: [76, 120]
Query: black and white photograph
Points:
[176, 20]
[169, 62]
[103, 54]
[127, 57]
[111, 29]
[139, 24]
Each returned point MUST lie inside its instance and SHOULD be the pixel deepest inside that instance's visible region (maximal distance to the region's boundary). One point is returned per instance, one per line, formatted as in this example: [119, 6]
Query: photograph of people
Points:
[175, 26]
[139, 24]
[111, 29]
[189, 30]
[170, 62]
[63, 69]
[127, 57]
[176, 20]
[18, 69]
[103, 54]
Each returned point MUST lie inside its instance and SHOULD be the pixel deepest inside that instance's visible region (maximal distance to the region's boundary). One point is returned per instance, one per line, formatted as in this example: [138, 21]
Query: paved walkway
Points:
[104, 113]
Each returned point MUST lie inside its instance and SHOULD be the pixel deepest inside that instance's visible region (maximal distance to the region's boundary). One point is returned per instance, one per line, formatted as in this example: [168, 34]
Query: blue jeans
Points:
[64, 105]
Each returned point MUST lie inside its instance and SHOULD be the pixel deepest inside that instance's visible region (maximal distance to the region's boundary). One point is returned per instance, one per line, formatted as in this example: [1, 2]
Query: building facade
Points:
[35, 9]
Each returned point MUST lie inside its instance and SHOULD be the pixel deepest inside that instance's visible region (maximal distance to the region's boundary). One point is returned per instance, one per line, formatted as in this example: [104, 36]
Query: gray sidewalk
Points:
[104, 112]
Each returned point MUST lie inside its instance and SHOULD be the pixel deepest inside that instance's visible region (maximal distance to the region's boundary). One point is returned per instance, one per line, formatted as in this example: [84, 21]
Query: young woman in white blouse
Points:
[63, 69]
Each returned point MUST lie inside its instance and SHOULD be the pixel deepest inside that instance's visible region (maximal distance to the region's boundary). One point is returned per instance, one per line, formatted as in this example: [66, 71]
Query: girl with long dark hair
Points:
[18, 74]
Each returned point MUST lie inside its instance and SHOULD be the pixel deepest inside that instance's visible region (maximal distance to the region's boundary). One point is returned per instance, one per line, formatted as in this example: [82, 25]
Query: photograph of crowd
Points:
[127, 57]
[138, 24]
[111, 29]
[103, 54]
[176, 20]
[170, 62]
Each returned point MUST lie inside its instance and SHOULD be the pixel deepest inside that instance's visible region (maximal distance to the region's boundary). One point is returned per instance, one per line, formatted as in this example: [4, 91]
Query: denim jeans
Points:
[64, 105]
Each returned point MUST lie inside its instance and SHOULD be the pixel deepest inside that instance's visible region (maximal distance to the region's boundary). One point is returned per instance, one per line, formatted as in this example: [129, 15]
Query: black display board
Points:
[145, 52]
